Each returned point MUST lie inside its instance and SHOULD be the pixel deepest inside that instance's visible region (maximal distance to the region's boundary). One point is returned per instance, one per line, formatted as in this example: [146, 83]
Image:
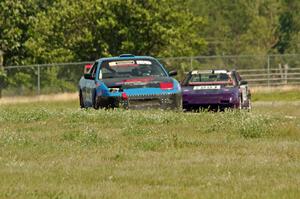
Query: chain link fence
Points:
[258, 70]
[42, 79]
[269, 70]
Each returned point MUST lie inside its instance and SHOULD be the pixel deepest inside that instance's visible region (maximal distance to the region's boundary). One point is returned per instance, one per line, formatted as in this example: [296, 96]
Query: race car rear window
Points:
[131, 68]
[221, 77]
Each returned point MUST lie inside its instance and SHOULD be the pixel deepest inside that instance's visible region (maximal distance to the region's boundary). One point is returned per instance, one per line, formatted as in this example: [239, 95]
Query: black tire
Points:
[81, 102]
[249, 108]
[95, 102]
[240, 107]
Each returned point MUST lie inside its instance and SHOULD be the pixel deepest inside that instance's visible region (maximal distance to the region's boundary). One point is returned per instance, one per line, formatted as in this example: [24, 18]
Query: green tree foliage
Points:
[51, 31]
[86, 30]
[16, 18]
[240, 27]
[290, 27]
[36, 32]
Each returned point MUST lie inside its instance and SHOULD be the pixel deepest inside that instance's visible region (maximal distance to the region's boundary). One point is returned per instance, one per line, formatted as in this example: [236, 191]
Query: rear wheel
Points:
[249, 107]
[81, 102]
[240, 104]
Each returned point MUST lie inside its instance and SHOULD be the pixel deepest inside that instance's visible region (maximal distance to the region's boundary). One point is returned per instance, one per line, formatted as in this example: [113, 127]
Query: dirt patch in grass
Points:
[41, 98]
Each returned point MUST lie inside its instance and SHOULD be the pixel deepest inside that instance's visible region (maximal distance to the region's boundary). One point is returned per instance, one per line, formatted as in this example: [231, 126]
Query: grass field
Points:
[55, 150]
[286, 93]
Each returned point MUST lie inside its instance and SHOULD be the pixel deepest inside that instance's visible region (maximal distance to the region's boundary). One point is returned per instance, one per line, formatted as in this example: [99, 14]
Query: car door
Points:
[243, 87]
[90, 85]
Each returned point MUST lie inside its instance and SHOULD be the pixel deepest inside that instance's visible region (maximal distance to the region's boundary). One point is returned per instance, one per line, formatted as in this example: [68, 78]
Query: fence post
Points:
[268, 57]
[191, 63]
[281, 73]
[38, 80]
[286, 68]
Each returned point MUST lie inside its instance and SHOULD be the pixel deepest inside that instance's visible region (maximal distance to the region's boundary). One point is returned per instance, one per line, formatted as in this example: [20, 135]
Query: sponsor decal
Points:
[220, 72]
[135, 83]
[129, 63]
[143, 62]
[197, 72]
[208, 83]
[206, 87]
[123, 63]
[119, 83]
[134, 80]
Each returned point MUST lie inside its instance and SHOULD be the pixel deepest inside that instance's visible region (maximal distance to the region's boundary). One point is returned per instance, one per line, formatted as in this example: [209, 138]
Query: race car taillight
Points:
[166, 85]
[124, 96]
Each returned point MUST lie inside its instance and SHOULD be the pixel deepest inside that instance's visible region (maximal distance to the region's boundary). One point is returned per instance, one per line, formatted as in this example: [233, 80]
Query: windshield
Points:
[131, 68]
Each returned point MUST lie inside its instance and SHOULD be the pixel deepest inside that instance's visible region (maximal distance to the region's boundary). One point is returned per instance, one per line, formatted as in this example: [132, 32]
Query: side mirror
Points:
[87, 68]
[88, 76]
[243, 82]
[173, 73]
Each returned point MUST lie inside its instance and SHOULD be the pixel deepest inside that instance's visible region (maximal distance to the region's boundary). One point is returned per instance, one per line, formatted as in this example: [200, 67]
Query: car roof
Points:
[124, 57]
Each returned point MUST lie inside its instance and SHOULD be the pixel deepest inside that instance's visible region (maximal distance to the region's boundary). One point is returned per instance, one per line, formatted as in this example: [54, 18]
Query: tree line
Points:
[52, 31]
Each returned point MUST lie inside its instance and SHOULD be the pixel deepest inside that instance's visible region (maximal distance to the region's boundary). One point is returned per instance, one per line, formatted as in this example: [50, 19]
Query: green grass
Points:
[290, 95]
[56, 150]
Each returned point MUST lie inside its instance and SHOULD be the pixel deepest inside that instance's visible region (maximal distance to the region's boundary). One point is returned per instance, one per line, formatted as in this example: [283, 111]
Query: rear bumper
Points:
[210, 100]
[208, 106]
[164, 101]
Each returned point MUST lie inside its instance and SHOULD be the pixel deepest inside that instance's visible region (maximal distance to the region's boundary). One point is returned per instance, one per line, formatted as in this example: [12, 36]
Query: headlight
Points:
[166, 85]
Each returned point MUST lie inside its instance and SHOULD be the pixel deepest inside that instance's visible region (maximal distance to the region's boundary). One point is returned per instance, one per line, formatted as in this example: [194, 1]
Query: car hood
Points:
[136, 82]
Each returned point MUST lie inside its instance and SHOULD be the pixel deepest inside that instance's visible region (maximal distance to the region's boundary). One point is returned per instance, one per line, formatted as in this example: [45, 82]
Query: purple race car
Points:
[215, 89]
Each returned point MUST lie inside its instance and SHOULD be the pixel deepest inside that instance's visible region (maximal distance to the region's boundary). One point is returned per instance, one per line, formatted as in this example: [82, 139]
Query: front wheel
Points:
[95, 101]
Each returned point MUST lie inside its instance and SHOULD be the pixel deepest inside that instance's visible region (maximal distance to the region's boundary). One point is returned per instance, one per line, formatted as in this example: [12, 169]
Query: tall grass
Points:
[56, 150]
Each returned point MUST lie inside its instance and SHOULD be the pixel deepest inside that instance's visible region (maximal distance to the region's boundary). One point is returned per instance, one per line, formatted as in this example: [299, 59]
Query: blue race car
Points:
[129, 81]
